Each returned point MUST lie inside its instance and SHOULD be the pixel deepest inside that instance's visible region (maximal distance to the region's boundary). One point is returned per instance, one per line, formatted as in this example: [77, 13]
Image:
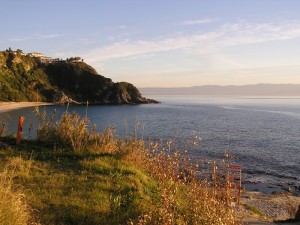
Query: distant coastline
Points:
[288, 90]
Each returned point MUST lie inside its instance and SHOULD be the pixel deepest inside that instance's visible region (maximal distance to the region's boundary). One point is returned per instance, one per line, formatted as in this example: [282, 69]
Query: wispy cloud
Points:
[201, 21]
[19, 39]
[122, 27]
[36, 37]
[47, 36]
[241, 33]
[121, 49]
[245, 33]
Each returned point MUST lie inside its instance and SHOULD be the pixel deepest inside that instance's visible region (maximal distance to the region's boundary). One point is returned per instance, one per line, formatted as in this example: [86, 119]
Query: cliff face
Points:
[25, 78]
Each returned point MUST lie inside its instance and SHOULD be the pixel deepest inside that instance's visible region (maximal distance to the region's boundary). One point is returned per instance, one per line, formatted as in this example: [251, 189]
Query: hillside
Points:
[27, 78]
[231, 90]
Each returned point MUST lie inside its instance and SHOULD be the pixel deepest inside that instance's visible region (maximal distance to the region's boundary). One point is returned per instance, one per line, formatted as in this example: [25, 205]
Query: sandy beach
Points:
[7, 106]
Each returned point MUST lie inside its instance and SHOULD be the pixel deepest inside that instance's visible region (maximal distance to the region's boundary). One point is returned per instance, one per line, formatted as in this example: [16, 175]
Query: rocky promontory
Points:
[35, 77]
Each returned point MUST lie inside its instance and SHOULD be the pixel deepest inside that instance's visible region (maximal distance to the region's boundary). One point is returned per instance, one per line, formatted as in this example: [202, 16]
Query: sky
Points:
[163, 43]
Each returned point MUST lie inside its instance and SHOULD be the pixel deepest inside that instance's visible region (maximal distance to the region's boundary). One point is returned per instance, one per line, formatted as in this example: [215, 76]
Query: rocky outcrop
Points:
[81, 82]
[61, 98]
[124, 92]
[25, 78]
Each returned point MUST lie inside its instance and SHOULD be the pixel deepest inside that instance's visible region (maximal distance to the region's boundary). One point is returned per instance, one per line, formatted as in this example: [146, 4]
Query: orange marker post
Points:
[20, 129]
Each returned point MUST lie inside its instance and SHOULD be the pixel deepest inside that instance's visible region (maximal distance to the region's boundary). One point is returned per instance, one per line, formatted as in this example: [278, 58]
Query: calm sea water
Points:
[263, 134]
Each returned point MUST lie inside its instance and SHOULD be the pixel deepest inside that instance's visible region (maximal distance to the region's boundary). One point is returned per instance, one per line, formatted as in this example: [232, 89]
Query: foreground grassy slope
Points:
[66, 188]
[75, 175]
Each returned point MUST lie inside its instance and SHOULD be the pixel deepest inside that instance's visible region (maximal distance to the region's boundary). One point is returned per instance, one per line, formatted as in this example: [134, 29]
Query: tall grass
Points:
[13, 208]
[70, 131]
[184, 198]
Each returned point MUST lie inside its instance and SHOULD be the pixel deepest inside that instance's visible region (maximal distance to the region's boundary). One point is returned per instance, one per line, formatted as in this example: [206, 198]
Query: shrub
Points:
[70, 131]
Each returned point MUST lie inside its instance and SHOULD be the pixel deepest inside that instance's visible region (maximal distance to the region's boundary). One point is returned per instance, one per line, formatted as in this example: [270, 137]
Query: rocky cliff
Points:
[27, 78]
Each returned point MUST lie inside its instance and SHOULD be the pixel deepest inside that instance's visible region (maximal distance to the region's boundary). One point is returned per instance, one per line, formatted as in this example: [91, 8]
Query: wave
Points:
[286, 113]
[270, 173]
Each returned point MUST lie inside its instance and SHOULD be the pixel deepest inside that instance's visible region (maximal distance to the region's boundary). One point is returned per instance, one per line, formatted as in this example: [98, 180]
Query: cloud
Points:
[36, 37]
[123, 27]
[19, 39]
[48, 36]
[230, 34]
[121, 49]
[245, 33]
[202, 21]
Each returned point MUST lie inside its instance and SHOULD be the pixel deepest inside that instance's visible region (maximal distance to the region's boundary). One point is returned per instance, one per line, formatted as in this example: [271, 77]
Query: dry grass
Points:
[184, 198]
[13, 208]
[71, 131]
[17, 166]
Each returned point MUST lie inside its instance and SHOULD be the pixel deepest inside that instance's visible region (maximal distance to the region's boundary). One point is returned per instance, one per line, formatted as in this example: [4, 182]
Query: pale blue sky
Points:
[163, 43]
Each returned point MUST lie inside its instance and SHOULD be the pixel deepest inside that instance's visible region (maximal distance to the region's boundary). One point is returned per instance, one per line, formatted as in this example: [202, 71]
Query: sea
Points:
[260, 134]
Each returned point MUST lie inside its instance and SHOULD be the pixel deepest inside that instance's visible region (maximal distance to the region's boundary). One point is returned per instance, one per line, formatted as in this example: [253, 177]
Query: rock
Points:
[61, 98]
[126, 93]
[288, 189]
[297, 216]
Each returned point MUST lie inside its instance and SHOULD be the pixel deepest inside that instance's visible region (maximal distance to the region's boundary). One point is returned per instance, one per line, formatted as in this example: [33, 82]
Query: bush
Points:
[70, 131]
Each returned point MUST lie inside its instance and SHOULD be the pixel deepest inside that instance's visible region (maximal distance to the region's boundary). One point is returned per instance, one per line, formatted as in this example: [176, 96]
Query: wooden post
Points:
[240, 187]
[20, 129]
[228, 184]
[215, 174]
[214, 179]
[3, 128]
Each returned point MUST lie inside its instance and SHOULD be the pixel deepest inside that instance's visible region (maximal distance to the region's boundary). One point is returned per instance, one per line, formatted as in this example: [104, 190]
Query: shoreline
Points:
[8, 106]
[261, 203]
[264, 188]
[261, 208]
[271, 188]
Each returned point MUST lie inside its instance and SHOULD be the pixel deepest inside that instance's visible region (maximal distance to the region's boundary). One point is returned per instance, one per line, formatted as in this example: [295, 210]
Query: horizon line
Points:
[229, 85]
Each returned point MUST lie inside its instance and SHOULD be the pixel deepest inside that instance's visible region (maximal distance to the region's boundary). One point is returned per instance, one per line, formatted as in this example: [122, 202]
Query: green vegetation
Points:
[64, 188]
[254, 210]
[98, 178]
[26, 78]
[21, 78]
